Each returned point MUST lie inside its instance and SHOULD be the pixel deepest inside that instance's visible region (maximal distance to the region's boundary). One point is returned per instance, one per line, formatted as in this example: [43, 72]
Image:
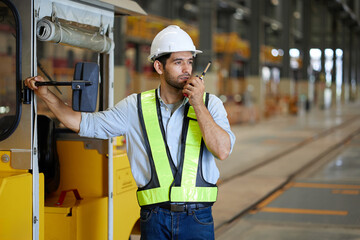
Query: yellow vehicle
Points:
[53, 183]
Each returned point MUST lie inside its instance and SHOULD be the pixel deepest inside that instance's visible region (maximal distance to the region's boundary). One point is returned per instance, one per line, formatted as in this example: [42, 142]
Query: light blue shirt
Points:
[123, 119]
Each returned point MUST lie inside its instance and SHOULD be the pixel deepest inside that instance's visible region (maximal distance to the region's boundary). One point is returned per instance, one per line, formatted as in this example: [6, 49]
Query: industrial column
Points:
[257, 29]
[285, 11]
[305, 47]
[207, 25]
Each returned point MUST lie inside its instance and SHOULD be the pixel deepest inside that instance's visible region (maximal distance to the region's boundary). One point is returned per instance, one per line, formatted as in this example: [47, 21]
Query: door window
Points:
[10, 80]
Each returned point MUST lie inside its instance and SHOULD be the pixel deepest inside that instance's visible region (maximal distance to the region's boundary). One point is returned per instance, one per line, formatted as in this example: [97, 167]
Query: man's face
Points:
[178, 69]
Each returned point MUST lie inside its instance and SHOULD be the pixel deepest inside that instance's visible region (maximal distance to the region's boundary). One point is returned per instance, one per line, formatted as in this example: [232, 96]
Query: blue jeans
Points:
[162, 224]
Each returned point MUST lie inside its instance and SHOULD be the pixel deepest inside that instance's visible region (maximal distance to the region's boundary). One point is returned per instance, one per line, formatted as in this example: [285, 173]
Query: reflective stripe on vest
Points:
[166, 191]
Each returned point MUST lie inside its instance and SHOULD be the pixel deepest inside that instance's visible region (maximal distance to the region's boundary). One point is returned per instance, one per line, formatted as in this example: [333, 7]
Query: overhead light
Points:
[297, 15]
[275, 2]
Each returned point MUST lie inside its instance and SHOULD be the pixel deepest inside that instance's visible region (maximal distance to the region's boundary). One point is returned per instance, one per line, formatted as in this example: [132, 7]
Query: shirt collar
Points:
[185, 99]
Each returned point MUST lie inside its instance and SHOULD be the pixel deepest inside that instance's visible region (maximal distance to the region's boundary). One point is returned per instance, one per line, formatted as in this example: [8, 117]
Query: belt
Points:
[184, 207]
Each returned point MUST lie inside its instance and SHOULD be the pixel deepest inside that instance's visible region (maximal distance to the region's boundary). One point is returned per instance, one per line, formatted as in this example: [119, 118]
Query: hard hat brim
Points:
[152, 58]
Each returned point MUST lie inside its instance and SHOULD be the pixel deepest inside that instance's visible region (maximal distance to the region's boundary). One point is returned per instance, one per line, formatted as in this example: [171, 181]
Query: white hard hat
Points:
[171, 39]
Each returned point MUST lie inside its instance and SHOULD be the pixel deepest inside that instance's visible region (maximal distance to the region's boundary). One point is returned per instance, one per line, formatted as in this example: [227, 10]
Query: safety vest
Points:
[168, 183]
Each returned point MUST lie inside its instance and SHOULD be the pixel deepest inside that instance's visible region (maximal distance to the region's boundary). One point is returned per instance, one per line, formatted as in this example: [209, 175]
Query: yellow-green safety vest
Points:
[168, 183]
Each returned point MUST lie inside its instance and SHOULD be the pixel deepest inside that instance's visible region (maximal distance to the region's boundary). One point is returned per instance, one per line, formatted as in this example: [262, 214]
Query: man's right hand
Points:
[39, 90]
[63, 112]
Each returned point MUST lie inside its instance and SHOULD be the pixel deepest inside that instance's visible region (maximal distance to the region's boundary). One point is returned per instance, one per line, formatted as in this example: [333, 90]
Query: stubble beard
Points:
[175, 81]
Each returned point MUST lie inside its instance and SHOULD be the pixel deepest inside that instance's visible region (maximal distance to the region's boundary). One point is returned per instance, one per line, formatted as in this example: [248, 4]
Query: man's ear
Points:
[158, 67]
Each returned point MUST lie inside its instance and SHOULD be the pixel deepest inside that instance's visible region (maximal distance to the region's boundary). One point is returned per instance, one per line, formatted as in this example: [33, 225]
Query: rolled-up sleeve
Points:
[106, 124]
[219, 114]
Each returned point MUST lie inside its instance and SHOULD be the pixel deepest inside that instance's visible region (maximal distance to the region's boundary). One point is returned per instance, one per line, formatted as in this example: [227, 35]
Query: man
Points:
[171, 140]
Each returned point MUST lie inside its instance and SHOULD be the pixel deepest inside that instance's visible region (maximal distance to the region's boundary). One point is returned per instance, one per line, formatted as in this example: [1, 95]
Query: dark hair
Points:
[163, 58]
